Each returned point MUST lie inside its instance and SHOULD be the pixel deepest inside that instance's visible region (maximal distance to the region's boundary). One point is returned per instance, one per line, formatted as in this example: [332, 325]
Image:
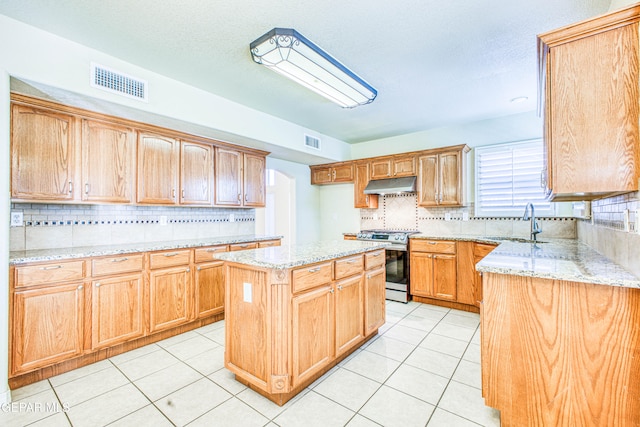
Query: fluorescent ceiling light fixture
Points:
[289, 53]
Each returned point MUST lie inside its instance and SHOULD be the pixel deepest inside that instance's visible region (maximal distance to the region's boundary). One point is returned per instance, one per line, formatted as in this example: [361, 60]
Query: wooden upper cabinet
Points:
[228, 177]
[196, 173]
[589, 74]
[362, 174]
[107, 162]
[254, 180]
[381, 168]
[334, 173]
[42, 154]
[157, 169]
[403, 166]
[441, 178]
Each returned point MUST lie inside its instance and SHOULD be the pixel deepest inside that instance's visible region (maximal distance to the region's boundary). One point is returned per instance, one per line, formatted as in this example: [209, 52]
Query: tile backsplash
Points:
[401, 212]
[56, 226]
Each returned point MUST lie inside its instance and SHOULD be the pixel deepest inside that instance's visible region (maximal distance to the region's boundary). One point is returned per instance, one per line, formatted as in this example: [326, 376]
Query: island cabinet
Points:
[287, 325]
[560, 353]
[588, 83]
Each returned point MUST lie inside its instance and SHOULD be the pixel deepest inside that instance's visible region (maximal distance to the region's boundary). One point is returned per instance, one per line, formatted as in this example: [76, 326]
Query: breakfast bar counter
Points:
[294, 312]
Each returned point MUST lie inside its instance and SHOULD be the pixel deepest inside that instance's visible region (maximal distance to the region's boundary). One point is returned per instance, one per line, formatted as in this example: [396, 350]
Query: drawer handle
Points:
[352, 261]
[120, 259]
[171, 254]
[432, 243]
[245, 245]
[214, 250]
[378, 254]
[314, 270]
[51, 267]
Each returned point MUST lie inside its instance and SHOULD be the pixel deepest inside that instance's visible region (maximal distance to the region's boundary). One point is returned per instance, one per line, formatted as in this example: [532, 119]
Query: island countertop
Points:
[39, 255]
[558, 259]
[284, 257]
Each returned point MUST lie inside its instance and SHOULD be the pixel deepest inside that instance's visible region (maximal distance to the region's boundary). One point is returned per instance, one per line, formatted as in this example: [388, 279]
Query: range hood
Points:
[391, 185]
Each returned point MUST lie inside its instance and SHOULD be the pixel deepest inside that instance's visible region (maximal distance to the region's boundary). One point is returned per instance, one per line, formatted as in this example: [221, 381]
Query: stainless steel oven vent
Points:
[117, 82]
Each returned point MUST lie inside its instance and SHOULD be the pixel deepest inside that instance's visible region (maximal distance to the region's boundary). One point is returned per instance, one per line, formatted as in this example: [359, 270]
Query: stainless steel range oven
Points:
[397, 260]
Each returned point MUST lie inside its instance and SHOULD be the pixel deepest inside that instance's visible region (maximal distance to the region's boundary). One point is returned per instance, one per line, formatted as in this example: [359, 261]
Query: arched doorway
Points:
[278, 216]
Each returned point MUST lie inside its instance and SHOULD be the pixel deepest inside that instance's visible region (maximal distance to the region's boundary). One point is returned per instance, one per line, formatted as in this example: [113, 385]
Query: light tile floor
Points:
[423, 369]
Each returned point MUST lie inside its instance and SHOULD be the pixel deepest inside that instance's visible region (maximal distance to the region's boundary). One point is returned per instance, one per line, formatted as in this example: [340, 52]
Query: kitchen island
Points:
[294, 312]
[560, 336]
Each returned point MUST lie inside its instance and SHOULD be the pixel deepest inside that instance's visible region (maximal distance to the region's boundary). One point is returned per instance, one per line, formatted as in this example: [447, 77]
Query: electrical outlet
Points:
[232, 218]
[163, 220]
[465, 216]
[17, 219]
[447, 216]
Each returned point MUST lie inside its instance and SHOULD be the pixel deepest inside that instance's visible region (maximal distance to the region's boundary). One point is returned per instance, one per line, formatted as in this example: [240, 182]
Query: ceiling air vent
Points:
[116, 82]
[312, 142]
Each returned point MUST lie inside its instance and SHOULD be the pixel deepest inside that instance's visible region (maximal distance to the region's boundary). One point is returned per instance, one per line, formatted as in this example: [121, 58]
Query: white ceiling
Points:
[434, 63]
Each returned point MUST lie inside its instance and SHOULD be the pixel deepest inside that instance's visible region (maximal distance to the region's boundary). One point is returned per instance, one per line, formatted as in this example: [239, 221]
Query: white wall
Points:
[306, 199]
[619, 4]
[5, 207]
[337, 214]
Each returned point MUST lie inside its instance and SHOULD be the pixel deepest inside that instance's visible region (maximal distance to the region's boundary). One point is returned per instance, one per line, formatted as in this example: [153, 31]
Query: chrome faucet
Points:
[535, 228]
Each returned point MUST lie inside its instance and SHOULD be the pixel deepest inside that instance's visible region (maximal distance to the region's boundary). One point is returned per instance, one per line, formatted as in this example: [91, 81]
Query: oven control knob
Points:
[396, 237]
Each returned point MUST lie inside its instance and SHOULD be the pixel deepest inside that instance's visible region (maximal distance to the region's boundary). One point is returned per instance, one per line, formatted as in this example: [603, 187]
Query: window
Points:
[508, 177]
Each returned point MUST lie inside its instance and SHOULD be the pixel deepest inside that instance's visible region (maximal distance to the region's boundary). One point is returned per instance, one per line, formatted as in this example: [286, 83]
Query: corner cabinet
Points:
[240, 178]
[43, 149]
[442, 177]
[588, 75]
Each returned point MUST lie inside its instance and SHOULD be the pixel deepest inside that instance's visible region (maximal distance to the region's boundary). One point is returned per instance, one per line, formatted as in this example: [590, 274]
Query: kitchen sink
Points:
[516, 239]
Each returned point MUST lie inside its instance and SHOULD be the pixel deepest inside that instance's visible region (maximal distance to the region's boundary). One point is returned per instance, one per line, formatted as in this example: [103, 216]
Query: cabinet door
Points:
[209, 289]
[444, 277]
[157, 169]
[361, 200]
[381, 168]
[342, 173]
[196, 170]
[593, 114]
[428, 180]
[116, 313]
[254, 180]
[320, 175]
[449, 179]
[404, 166]
[107, 162]
[228, 177]
[421, 274]
[46, 326]
[313, 332]
[169, 293]
[374, 300]
[349, 302]
[42, 154]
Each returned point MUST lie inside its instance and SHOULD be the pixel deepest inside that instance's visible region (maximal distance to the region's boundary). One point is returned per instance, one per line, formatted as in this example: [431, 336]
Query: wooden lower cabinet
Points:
[117, 310]
[47, 326]
[349, 313]
[374, 299]
[209, 288]
[169, 295]
[445, 283]
[313, 332]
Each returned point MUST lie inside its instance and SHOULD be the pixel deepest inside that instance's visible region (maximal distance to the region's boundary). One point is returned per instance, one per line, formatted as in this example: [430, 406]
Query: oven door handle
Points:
[399, 248]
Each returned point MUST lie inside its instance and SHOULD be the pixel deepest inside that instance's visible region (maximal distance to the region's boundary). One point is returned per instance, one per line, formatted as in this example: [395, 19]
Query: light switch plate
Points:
[17, 219]
[246, 292]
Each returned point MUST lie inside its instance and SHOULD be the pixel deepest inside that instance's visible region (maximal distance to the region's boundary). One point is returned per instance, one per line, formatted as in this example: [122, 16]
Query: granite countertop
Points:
[39, 255]
[284, 257]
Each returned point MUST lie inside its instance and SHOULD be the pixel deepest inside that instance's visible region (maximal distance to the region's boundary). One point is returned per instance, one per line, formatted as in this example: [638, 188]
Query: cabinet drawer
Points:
[243, 246]
[116, 264]
[206, 254]
[374, 260]
[346, 267]
[49, 273]
[311, 276]
[440, 246]
[169, 258]
[268, 243]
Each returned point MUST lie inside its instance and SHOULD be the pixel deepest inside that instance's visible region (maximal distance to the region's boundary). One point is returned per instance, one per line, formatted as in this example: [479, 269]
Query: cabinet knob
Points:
[97, 285]
[339, 287]
[80, 287]
[188, 270]
[198, 268]
[331, 291]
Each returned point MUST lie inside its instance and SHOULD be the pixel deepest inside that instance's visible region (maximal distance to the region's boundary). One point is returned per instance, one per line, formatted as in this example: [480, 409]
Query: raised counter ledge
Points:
[284, 257]
[40, 255]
